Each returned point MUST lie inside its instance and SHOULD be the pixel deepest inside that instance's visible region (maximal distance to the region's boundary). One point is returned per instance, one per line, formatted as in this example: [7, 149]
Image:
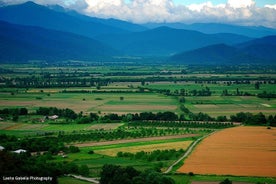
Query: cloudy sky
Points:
[242, 12]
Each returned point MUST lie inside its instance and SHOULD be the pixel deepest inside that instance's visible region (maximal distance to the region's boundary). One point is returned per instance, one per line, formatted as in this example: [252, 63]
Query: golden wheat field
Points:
[146, 148]
[240, 151]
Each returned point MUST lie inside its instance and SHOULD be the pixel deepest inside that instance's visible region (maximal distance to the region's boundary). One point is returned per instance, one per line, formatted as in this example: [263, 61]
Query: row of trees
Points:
[182, 92]
[156, 155]
[184, 124]
[14, 111]
[247, 118]
[80, 81]
[265, 94]
[121, 134]
[251, 119]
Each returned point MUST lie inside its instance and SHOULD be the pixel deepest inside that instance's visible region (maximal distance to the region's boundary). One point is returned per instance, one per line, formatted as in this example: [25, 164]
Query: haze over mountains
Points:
[33, 32]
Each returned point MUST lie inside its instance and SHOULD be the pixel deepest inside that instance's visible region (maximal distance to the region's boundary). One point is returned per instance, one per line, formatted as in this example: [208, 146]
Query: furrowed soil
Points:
[239, 151]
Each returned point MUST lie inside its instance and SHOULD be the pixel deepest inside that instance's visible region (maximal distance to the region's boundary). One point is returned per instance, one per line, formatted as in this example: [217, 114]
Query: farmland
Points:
[103, 102]
[136, 115]
[241, 151]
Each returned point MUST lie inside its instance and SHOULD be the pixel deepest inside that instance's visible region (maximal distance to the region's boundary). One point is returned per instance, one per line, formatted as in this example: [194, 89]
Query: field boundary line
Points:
[189, 150]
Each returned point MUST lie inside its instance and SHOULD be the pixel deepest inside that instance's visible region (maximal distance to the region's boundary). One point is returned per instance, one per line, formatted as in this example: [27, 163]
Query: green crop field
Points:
[107, 154]
[226, 106]
[70, 180]
[21, 129]
[92, 102]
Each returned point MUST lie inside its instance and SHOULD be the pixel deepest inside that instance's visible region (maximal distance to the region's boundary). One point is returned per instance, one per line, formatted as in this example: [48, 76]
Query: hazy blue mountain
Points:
[263, 48]
[231, 39]
[270, 40]
[36, 15]
[259, 51]
[21, 43]
[214, 54]
[166, 41]
[110, 22]
[213, 28]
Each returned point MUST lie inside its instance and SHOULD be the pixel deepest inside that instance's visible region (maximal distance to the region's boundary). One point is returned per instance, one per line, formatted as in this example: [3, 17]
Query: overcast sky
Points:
[242, 12]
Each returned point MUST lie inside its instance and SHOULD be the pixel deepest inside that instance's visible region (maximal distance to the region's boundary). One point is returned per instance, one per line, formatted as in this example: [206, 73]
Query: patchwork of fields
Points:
[123, 91]
[92, 102]
[221, 105]
[240, 151]
[146, 148]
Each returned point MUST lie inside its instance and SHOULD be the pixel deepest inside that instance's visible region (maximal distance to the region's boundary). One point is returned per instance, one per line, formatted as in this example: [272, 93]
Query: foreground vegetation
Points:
[73, 118]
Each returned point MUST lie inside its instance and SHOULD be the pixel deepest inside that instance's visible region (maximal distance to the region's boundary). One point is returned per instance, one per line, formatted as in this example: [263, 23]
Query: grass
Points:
[110, 103]
[135, 144]
[147, 148]
[70, 180]
[95, 164]
[24, 129]
[230, 105]
[104, 154]
[186, 179]
[215, 88]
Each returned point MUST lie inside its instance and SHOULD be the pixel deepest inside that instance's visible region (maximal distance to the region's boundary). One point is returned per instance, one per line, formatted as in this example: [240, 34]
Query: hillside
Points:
[166, 41]
[32, 14]
[31, 31]
[214, 28]
[22, 43]
[259, 51]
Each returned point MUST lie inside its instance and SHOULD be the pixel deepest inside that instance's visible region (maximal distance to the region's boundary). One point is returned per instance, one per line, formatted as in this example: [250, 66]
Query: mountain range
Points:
[21, 43]
[213, 28]
[255, 51]
[34, 32]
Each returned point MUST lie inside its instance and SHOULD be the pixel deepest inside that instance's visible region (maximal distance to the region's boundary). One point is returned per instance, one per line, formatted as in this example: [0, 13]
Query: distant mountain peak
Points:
[29, 4]
[59, 18]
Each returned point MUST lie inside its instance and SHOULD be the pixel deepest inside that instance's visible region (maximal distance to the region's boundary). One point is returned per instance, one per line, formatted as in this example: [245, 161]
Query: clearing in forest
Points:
[240, 151]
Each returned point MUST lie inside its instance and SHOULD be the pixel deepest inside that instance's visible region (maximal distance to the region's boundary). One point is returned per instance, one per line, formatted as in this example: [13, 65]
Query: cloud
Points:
[242, 12]
[272, 6]
[241, 3]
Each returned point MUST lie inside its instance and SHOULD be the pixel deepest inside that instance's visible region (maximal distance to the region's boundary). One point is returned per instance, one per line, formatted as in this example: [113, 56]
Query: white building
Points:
[53, 117]
[20, 151]
[1, 148]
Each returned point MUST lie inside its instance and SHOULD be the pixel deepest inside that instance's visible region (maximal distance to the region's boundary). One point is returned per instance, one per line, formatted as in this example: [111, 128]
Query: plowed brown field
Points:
[240, 151]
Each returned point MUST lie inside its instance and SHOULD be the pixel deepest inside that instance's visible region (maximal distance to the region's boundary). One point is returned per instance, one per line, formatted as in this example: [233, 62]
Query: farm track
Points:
[88, 144]
[190, 149]
[91, 180]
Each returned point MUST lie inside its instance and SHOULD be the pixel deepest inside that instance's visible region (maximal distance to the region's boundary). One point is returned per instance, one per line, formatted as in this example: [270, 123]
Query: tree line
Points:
[50, 144]
[156, 155]
[138, 132]
[48, 81]
[183, 124]
[254, 119]
[68, 114]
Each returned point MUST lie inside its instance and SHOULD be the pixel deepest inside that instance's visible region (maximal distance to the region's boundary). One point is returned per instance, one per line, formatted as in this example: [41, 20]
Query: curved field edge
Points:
[178, 163]
[188, 179]
[239, 151]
